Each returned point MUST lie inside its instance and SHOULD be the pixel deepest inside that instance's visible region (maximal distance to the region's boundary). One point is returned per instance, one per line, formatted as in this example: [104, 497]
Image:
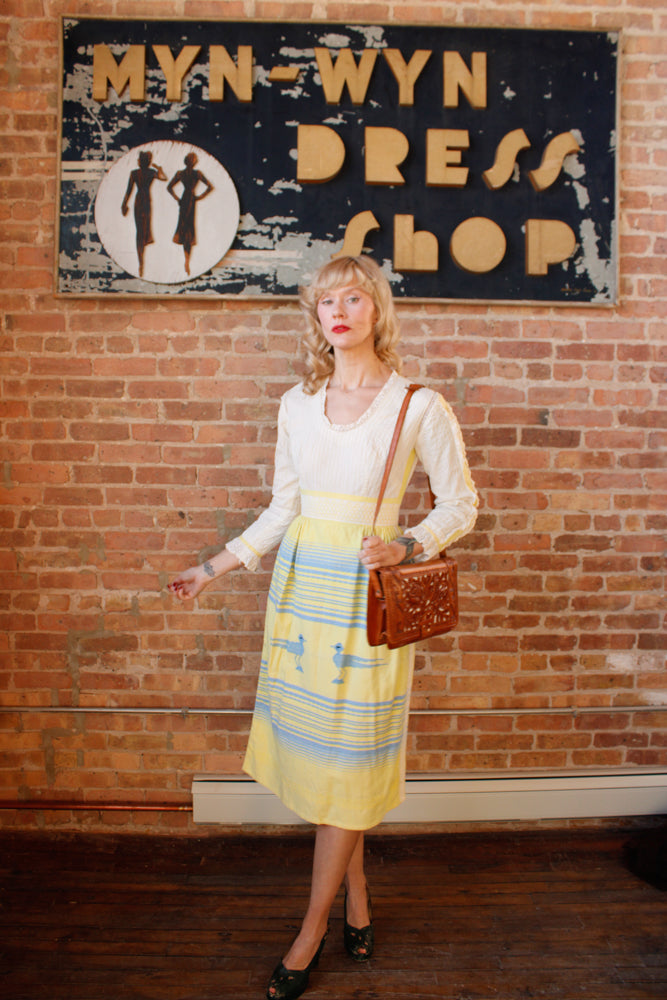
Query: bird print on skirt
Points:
[343, 661]
[297, 649]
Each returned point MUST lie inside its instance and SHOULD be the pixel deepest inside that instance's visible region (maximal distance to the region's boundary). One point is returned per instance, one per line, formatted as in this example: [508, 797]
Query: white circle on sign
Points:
[167, 212]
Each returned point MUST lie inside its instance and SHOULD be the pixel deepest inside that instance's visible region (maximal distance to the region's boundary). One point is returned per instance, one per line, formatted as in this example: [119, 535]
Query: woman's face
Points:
[347, 316]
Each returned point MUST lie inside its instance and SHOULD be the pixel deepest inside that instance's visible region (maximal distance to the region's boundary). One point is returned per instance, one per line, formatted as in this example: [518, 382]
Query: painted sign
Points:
[219, 158]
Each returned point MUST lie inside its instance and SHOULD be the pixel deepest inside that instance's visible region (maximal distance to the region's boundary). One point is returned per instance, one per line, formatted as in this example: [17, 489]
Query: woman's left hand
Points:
[375, 553]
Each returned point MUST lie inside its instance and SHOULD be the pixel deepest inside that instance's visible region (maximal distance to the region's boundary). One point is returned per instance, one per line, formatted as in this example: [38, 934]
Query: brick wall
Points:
[136, 437]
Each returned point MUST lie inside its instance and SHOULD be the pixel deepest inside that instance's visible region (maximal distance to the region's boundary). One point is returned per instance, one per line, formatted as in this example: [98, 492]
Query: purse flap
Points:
[421, 598]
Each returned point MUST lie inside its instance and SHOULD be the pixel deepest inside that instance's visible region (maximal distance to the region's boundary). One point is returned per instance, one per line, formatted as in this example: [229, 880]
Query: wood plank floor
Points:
[478, 916]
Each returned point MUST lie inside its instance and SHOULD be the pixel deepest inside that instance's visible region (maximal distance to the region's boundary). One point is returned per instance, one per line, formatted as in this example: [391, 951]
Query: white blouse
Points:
[334, 471]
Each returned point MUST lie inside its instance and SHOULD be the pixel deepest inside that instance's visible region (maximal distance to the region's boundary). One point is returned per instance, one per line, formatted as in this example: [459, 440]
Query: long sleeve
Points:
[343, 465]
[269, 528]
[440, 449]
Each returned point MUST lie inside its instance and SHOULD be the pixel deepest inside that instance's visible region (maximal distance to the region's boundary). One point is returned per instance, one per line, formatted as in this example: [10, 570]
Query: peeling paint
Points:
[600, 271]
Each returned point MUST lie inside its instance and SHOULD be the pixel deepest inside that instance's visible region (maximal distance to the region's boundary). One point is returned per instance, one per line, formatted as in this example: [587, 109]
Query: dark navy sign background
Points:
[202, 196]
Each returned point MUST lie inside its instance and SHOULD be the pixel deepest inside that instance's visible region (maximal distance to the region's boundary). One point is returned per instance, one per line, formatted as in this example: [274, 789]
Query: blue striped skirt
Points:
[329, 728]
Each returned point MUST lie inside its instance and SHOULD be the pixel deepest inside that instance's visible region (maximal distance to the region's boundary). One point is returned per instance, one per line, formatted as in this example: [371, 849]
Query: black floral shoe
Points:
[359, 941]
[288, 984]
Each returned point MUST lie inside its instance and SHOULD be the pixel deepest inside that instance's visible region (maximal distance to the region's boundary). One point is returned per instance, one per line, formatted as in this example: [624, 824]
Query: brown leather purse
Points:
[411, 601]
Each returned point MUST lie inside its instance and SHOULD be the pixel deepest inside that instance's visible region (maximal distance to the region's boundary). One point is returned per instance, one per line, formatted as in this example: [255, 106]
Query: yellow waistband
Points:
[350, 510]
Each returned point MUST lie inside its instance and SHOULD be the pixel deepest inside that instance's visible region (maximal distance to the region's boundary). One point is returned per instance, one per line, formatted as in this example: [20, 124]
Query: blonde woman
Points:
[329, 729]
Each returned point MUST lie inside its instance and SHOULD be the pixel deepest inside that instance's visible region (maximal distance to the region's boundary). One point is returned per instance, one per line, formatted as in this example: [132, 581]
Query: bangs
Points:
[339, 273]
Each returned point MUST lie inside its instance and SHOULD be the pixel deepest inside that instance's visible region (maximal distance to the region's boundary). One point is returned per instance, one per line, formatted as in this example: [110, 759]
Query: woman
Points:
[142, 178]
[329, 728]
[189, 179]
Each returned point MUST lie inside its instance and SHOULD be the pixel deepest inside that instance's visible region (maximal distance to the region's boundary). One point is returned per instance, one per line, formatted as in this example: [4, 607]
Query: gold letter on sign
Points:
[443, 148]
[107, 71]
[548, 241]
[413, 251]
[458, 76]
[175, 69]
[508, 149]
[552, 160]
[478, 245]
[356, 232]
[406, 73]
[320, 153]
[385, 149]
[345, 71]
[237, 74]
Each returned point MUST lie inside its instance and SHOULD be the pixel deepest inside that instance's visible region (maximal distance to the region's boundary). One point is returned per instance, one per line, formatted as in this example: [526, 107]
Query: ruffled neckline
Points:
[366, 415]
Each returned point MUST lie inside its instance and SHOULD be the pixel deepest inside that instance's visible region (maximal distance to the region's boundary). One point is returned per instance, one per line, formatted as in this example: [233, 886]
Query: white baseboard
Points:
[229, 800]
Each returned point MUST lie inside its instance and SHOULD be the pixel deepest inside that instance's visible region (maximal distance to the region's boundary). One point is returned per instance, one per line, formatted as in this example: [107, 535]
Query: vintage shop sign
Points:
[219, 158]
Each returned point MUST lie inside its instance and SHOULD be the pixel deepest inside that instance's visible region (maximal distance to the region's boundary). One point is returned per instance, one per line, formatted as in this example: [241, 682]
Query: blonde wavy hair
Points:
[364, 273]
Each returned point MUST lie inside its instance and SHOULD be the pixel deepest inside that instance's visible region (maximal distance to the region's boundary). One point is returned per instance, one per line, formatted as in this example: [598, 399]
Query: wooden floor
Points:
[492, 916]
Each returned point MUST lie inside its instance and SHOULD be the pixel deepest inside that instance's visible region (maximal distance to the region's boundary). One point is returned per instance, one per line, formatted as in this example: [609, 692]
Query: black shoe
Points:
[288, 984]
[359, 941]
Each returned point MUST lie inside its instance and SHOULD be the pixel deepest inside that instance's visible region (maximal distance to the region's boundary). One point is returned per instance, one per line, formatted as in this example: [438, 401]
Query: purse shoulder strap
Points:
[412, 388]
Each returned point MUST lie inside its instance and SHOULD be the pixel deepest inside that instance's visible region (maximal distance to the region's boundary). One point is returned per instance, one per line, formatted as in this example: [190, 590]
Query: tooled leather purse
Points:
[411, 601]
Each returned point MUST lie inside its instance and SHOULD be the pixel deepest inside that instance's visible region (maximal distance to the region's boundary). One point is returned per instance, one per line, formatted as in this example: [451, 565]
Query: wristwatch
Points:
[409, 544]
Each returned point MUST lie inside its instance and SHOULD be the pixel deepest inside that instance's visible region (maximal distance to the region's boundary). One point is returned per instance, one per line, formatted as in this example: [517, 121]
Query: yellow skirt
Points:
[329, 728]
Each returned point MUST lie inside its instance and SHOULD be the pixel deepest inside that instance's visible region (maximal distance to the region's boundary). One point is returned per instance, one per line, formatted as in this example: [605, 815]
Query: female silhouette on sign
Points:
[142, 178]
[189, 178]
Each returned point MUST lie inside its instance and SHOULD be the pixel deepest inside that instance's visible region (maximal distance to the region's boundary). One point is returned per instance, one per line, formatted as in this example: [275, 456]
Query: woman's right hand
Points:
[190, 583]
